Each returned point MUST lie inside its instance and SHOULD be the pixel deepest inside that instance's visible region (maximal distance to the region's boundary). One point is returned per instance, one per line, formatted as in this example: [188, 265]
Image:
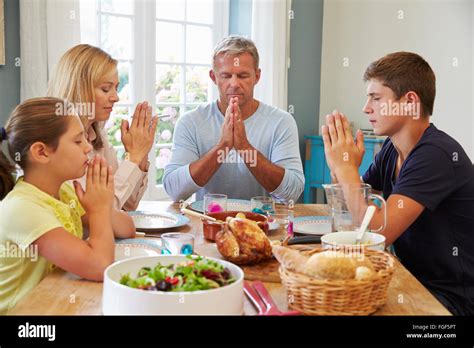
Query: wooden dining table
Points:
[63, 293]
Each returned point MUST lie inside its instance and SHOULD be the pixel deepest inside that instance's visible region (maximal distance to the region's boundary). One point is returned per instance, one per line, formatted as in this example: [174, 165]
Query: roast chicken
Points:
[243, 242]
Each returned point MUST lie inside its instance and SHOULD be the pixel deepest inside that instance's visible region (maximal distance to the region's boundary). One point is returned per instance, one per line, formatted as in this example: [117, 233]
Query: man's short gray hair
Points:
[235, 46]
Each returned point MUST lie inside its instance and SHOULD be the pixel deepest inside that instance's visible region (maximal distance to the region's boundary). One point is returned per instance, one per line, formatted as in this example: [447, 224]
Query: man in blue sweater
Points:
[424, 174]
[236, 145]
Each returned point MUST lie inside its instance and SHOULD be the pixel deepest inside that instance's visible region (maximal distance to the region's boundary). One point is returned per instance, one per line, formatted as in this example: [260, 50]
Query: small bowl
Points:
[210, 228]
[346, 240]
[118, 299]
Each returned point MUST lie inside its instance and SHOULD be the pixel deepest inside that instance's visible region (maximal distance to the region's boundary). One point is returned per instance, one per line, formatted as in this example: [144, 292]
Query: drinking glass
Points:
[282, 219]
[214, 203]
[262, 205]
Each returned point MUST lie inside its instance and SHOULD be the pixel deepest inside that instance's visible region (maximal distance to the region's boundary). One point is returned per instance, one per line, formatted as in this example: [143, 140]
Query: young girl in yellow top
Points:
[42, 215]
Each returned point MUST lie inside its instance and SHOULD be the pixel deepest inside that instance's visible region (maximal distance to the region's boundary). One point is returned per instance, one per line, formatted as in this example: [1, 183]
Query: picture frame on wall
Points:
[2, 34]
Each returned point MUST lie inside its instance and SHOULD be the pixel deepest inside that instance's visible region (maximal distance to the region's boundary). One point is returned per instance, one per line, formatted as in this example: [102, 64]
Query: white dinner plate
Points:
[147, 222]
[129, 248]
[273, 226]
[316, 225]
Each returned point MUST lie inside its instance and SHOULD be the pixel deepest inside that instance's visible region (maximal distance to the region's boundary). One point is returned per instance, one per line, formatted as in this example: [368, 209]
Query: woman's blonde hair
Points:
[78, 72]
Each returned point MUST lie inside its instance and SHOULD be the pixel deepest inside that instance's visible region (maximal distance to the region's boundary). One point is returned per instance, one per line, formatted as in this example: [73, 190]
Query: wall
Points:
[305, 58]
[365, 30]
[304, 74]
[240, 17]
[9, 73]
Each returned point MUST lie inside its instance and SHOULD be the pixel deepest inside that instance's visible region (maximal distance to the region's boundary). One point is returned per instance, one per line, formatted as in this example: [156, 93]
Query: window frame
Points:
[143, 65]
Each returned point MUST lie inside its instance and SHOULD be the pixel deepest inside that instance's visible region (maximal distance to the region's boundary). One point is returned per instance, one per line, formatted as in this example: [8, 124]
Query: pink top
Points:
[130, 181]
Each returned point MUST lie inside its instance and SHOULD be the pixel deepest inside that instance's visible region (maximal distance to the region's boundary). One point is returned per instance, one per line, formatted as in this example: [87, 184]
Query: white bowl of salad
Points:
[173, 285]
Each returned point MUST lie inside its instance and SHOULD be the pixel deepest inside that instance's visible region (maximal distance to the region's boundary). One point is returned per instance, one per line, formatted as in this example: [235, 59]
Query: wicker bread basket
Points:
[313, 296]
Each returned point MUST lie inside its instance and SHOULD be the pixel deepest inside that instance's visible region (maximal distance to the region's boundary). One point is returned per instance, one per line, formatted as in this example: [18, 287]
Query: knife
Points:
[143, 234]
[315, 239]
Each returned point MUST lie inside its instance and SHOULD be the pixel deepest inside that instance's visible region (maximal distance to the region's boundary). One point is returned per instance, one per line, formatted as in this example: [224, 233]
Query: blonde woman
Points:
[87, 77]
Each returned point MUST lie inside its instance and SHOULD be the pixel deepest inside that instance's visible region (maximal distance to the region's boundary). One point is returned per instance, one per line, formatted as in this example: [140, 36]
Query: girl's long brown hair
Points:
[35, 120]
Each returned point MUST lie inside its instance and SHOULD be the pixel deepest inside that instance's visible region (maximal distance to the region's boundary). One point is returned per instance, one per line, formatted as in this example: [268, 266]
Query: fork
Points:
[261, 299]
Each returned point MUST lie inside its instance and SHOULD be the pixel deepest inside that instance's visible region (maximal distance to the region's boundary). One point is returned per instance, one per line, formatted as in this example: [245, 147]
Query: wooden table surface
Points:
[62, 293]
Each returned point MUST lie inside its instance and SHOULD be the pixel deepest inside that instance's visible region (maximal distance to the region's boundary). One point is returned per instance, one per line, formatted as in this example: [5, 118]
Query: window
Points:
[164, 51]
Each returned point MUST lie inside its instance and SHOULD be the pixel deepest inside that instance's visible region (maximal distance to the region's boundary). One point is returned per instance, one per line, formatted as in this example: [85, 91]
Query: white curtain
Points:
[271, 34]
[48, 28]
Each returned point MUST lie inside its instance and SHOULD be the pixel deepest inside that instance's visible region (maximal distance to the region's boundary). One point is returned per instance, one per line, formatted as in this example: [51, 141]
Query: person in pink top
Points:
[87, 78]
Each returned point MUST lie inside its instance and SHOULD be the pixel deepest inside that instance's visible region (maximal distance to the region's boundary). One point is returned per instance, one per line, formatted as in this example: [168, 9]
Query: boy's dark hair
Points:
[403, 72]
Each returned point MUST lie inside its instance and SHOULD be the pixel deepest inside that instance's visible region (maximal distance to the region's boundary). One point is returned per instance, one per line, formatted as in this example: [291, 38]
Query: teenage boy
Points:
[424, 174]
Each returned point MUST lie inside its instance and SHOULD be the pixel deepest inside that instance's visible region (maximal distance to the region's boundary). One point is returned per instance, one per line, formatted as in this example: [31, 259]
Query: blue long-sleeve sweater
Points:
[271, 131]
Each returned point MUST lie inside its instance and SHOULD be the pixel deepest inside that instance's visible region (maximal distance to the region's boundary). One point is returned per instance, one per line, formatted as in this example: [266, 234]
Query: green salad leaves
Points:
[196, 273]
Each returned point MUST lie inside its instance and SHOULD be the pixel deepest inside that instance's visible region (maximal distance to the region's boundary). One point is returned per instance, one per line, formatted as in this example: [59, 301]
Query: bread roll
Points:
[331, 265]
[290, 258]
[364, 261]
[363, 273]
[326, 265]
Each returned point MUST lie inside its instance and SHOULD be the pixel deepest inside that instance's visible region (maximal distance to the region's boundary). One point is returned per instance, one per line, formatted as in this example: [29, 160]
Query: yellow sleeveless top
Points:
[27, 213]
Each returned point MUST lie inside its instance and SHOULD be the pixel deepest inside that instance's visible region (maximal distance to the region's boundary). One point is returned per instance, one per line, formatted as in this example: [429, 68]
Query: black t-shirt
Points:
[438, 248]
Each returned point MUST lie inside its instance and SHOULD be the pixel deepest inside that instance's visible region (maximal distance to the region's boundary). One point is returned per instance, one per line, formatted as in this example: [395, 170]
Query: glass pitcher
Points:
[348, 203]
